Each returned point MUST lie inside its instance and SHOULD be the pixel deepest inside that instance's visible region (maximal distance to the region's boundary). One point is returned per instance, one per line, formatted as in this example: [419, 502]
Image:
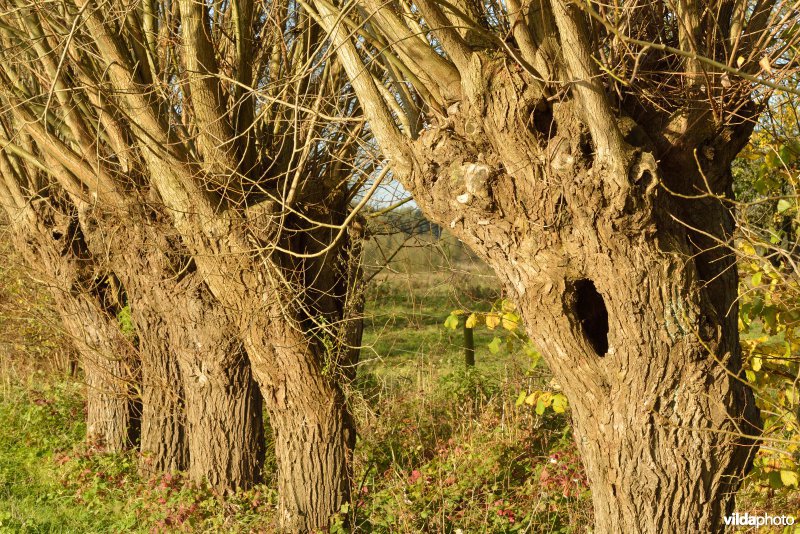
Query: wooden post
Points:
[469, 347]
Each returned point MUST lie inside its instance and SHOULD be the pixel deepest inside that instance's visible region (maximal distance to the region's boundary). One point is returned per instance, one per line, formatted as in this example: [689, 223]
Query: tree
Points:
[50, 243]
[206, 157]
[584, 151]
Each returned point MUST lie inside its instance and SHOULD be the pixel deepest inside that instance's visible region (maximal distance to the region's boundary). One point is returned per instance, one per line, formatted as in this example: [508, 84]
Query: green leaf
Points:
[125, 321]
[775, 481]
[451, 322]
[772, 160]
[494, 346]
[783, 205]
[559, 403]
[521, 398]
[507, 306]
[770, 318]
[756, 279]
[787, 154]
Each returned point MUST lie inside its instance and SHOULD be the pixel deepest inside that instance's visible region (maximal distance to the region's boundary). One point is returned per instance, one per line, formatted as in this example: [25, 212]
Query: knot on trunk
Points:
[641, 191]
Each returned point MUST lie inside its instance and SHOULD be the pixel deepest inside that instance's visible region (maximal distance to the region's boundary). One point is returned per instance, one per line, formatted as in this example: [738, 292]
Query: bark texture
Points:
[624, 292]
[163, 445]
[202, 409]
[313, 431]
[608, 226]
[53, 247]
[109, 367]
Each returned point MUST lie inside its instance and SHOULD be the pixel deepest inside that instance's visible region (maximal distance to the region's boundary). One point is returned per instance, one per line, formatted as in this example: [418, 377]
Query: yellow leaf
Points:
[765, 64]
[559, 403]
[510, 321]
[789, 478]
[508, 306]
[755, 363]
[472, 320]
[492, 320]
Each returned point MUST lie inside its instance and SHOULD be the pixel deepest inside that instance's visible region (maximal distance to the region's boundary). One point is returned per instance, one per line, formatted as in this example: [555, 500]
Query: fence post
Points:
[469, 347]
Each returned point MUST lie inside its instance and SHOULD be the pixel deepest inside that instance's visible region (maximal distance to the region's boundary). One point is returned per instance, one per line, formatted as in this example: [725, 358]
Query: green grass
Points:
[52, 482]
[39, 422]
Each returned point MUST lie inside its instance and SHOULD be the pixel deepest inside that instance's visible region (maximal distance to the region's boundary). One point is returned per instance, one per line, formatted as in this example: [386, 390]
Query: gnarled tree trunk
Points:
[53, 247]
[609, 232]
[647, 351]
[223, 402]
[109, 368]
[634, 312]
[314, 433]
[202, 410]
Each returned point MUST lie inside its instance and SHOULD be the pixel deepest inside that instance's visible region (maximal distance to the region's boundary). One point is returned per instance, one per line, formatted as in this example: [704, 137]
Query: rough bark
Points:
[626, 288]
[224, 404]
[163, 444]
[52, 246]
[202, 409]
[112, 409]
[313, 431]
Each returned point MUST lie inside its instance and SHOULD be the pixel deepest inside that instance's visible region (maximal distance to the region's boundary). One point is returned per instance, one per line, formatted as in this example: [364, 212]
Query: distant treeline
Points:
[409, 221]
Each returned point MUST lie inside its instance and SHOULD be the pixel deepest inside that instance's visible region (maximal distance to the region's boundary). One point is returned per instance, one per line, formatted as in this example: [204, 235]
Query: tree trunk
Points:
[206, 410]
[226, 432]
[314, 433]
[628, 291]
[202, 409]
[223, 403]
[650, 369]
[313, 447]
[164, 442]
[112, 419]
[54, 249]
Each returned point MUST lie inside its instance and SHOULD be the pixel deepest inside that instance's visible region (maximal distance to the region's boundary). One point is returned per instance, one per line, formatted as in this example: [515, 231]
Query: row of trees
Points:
[192, 166]
[196, 164]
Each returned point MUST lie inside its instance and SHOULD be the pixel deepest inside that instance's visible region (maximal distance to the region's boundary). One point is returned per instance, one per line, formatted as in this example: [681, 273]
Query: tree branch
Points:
[378, 115]
[588, 84]
[452, 42]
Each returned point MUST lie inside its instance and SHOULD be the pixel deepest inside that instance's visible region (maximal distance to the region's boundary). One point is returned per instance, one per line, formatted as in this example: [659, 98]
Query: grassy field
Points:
[441, 448]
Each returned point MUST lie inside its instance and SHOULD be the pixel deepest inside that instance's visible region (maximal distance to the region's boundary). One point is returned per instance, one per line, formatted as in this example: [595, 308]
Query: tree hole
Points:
[590, 309]
[544, 123]
[586, 146]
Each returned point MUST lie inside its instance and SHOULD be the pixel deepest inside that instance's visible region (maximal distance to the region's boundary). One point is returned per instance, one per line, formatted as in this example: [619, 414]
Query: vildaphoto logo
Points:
[747, 520]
